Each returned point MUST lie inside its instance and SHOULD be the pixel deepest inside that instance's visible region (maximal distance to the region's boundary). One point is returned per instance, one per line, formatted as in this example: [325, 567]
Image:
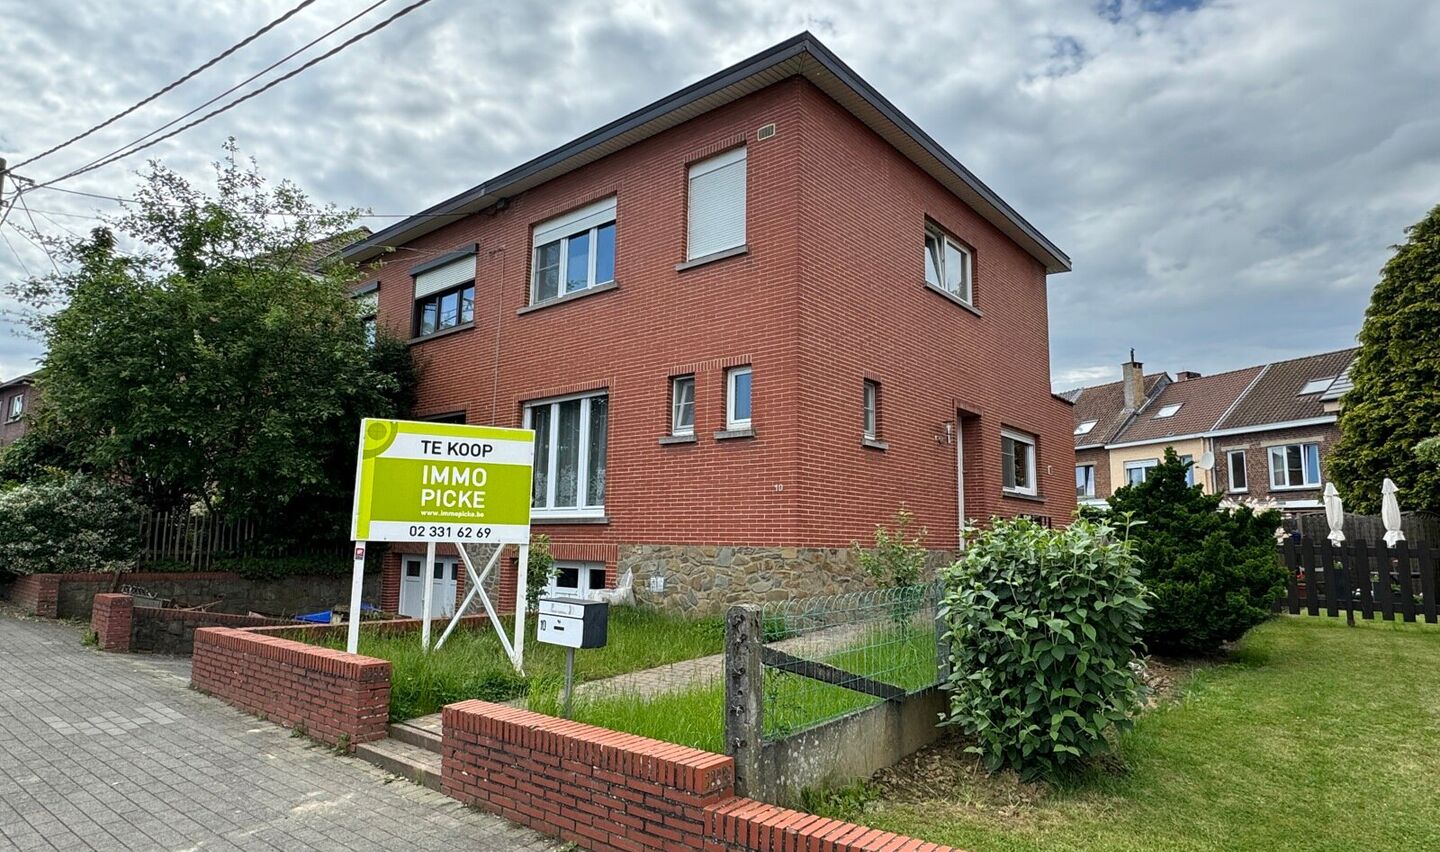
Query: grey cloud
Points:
[1227, 177]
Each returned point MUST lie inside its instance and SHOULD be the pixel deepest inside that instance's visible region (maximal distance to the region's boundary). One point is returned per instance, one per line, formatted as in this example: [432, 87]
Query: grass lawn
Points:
[472, 663]
[1311, 736]
[694, 716]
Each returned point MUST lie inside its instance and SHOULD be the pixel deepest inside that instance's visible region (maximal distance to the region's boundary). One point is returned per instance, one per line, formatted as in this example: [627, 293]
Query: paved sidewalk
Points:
[115, 751]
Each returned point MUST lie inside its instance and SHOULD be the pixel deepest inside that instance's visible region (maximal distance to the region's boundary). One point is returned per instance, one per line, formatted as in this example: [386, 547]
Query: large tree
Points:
[1395, 403]
[201, 354]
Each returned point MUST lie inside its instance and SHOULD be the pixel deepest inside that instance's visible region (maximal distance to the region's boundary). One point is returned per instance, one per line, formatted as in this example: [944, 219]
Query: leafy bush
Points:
[539, 571]
[897, 562]
[1213, 572]
[1043, 625]
[67, 524]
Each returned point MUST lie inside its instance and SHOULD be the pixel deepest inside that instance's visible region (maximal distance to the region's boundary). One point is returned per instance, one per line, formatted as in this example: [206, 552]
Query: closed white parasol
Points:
[1334, 513]
[1390, 513]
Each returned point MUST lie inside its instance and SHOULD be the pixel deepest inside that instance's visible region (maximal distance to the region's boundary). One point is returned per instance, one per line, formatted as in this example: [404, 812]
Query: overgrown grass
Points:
[694, 716]
[472, 664]
[1311, 736]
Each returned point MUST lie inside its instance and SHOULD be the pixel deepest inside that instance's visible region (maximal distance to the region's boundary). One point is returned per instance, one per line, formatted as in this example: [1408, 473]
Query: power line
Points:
[20, 197]
[321, 58]
[120, 199]
[16, 253]
[119, 115]
[262, 72]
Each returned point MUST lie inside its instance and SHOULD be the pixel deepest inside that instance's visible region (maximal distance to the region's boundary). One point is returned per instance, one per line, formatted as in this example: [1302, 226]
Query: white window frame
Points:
[699, 170]
[676, 405]
[1230, 471]
[1089, 493]
[17, 406]
[583, 587]
[944, 240]
[1189, 471]
[1168, 410]
[1145, 465]
[1085, 427]
[1031, 489]
[582, 475]
[870, 403]
[1309, 484]
[733, 423]
[587, 220]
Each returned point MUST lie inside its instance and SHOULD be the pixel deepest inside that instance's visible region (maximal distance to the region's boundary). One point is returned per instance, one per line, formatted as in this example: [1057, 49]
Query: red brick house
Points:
[749, 322]
[17, 399]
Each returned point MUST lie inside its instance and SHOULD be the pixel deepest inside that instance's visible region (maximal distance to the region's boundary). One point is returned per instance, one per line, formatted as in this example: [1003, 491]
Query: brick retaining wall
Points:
[338, 698]
[37, 594]
[112, 619]
[606, 790]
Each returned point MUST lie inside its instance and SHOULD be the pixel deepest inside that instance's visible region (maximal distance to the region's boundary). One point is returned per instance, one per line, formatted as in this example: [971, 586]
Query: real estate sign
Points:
[417, 481]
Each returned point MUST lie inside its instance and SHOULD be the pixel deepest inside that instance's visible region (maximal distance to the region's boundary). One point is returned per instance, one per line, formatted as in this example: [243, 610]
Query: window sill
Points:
[544, 520]
[670, 440]
[712, 257]
[1017, 495]
[445, 333]
[1238, 491]
[953, 298]
[570, 297]
[873, 444]
[727, 434]
[1316, 487]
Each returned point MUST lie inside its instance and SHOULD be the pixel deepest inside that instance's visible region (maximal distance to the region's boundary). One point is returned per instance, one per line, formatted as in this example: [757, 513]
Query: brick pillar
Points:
[111, 618]
[390, 581]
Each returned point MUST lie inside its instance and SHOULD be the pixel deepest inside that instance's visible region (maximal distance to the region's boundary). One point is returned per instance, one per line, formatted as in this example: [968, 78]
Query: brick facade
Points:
[112, 618]
[1100, 458]
[830, 292]
[1257, 462]
[37, 594]
[606, 790]
[12, 428]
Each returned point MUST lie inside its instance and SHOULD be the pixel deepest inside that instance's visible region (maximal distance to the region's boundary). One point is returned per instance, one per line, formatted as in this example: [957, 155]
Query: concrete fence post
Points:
[744, 694]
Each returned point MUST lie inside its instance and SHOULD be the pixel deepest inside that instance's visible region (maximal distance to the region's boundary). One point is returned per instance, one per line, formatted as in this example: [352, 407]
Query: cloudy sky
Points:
[1226, 176]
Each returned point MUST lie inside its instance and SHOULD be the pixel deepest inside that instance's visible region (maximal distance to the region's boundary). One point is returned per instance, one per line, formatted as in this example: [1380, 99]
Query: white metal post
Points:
[521, 580]
[429, 594]
[352, 641]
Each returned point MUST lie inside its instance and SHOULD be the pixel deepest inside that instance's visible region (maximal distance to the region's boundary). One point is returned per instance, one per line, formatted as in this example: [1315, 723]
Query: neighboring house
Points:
[17, 399]
[1100, 412]
[748, 322]
[1260, 435]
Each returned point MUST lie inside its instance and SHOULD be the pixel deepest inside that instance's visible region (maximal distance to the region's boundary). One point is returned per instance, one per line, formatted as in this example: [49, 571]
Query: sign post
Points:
[352, 642]
[434, 482]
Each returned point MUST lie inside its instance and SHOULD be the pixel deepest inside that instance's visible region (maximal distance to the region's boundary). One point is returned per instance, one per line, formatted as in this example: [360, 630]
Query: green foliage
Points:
[1428, 451]
[1213, 572]
[67, 524]
[846, 802]
[1044, 625]
[213, 362]
[1394, 405]
[539, 571]
[897, 562]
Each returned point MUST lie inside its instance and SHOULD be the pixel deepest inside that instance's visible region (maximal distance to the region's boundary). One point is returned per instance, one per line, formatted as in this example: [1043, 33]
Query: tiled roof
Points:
[1105, 404]
[1276, 396]
[1202, 402]
[324, 248]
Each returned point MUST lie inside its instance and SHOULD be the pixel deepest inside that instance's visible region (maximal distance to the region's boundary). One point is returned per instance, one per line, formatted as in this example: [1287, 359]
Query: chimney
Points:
[1132, 373]
[1186, 375]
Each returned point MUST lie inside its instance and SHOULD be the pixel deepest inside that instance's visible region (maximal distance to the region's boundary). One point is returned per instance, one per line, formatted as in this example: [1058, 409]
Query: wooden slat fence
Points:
[199, 540]
[1366, 578]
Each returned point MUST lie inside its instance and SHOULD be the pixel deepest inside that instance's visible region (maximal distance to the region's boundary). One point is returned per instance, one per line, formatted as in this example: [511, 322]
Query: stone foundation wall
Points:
[706, 579]
[227, 592]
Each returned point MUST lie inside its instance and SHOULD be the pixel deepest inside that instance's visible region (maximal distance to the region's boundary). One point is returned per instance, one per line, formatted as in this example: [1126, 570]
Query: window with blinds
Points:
[445, 296]
[716, 205]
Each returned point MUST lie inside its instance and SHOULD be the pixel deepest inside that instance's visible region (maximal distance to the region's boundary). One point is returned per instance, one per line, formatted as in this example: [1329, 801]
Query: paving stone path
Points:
[115, 751]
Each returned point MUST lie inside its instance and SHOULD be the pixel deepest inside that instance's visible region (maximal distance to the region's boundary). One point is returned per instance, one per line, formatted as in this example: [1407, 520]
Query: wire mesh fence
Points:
[826, 657]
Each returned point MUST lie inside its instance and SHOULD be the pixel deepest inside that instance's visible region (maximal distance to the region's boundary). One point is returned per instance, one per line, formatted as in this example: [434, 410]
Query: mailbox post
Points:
[572, 623]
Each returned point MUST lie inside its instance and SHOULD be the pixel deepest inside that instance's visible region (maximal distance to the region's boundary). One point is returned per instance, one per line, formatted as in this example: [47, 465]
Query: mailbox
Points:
[573, 622]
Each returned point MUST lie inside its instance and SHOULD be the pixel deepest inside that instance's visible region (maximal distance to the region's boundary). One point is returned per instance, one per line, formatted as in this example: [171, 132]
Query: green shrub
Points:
[1043, 625]
[67, 524]
[1213, 572]
[897, 563]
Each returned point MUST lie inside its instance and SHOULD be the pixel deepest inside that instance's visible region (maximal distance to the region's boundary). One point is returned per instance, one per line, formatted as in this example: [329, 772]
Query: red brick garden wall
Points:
[112, 617]
[335, 697]
[37, 594]
[606, 790]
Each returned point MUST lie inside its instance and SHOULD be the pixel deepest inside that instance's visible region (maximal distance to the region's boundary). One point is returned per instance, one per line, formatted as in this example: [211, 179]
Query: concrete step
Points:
[422, 736]
[403, 759]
